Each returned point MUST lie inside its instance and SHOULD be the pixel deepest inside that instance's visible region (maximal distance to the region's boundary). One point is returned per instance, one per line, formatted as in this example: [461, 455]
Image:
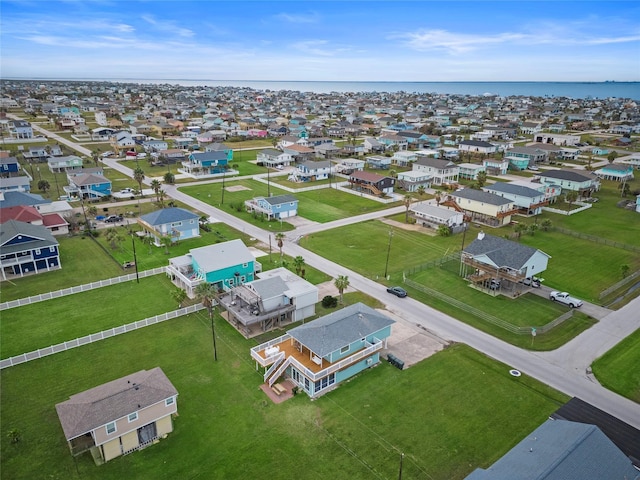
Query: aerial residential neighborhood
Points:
[362, 276]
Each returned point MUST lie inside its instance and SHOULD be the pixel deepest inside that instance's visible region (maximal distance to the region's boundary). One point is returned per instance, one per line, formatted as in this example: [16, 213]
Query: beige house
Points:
[485, 207]
[121, 416]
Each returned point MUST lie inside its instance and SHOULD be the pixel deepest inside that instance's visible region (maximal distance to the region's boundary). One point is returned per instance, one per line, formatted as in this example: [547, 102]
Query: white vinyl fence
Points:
[96, 337]
[78, 288]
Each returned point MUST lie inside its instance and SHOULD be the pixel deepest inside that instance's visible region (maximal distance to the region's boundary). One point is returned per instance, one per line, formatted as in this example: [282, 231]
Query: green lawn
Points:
[317, 205]
[618, 369]
[448, 414]
[82, 261]
[24, 329]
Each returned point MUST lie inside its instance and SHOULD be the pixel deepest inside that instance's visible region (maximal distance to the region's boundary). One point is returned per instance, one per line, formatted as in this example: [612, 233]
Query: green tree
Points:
[114, 237]
[341, 283]
[443, 230]
[407, 205]
[280, 241]
[531, 229]
[43, 186]
[624, 269]
[299, 264]
[166, 240]
[138, 176]
[169, 178]
[421, 191]
[156, 186]
[546, 224]
[612, 156]
[519, 229]
[481, 179]
[624, 189]
[206, 293]
[571, 197]
[179, 295]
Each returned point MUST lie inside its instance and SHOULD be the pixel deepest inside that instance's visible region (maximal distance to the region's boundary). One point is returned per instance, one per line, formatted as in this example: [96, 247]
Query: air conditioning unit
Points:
[369, 361]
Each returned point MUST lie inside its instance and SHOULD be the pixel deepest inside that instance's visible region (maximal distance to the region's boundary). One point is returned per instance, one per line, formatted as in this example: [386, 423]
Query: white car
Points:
[564, 297]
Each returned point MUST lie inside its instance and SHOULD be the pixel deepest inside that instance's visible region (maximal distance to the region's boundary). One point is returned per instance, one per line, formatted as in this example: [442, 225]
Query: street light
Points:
[386, 266]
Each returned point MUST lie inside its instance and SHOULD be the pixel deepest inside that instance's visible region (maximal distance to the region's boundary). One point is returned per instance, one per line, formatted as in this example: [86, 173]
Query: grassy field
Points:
[317, 205]
[618, 369]
[575, 265]
[23, 329]
[448, 414]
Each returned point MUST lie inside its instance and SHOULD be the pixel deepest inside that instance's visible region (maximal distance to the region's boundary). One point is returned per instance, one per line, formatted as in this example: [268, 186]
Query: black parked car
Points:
[113, 219]
[397, 291]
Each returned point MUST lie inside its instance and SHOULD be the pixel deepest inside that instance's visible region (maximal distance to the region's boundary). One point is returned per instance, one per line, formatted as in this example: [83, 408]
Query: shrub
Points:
[329, 302]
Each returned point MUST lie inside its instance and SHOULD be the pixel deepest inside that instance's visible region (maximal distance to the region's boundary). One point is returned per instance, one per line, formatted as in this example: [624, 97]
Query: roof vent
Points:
[480, 235]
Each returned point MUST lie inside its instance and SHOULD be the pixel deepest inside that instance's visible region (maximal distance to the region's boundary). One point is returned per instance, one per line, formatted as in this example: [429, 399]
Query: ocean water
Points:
[538, 89]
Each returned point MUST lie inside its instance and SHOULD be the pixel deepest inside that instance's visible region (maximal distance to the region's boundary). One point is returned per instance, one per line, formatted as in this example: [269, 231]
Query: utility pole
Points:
[386, 266]
[223, 175]
[135, 258]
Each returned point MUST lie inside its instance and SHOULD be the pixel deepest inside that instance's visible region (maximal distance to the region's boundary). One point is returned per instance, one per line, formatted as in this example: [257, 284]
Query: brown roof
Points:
[367, 176]
[105, 403]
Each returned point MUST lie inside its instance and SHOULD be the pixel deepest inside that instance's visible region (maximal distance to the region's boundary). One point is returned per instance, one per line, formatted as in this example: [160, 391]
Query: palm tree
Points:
[206, 293]
[179, 295]
[156, 186]
[421, 191]
[280, 240]
[407, 205]
[166, 241]
[545, 224]
[138, 176]
[519, 228]
[481, 179]
[571, 197]
[162, 196]
[341, 283]
[299, 265]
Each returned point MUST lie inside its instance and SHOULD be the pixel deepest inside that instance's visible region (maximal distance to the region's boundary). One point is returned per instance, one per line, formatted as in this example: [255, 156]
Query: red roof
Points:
[53, 220]
[21, 213]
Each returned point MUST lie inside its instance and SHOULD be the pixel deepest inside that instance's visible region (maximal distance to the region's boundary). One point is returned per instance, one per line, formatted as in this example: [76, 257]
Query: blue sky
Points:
[321, 40]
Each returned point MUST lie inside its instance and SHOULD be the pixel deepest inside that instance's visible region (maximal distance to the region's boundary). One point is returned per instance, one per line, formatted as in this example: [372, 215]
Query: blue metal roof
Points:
[168, 215]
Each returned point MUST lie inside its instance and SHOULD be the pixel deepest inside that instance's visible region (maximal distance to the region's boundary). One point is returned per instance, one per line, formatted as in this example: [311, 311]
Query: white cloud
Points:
[314, 47]
[168, 27]
[298, 17]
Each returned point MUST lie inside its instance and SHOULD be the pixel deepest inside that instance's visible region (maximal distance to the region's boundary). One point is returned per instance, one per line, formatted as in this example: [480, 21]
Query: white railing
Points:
[78, 289]
[96, 337]
[263, 346]
[583, 206]
[278, 359]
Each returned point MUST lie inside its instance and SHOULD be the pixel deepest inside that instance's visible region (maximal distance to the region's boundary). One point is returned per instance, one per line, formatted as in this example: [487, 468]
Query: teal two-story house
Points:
[319, 355]
[223, 265]
[207, 163]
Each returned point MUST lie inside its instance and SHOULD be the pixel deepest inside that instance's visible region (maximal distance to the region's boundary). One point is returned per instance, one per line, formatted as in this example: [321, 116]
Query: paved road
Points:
[564, 369]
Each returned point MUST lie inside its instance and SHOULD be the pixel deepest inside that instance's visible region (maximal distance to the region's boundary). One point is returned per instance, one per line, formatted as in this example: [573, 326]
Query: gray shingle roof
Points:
[280, 199]
[513, 189]
[480, 196]
[11, 228]
[269, 287]
[339, 329]
[13, 199]
[561, 450]
[567, 175]
[113, 400]
[168, 215]
[502, 252]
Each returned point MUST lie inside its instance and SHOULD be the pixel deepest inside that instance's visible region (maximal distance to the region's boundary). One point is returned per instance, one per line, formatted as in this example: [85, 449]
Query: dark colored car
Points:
[113, 218]
[397, 291]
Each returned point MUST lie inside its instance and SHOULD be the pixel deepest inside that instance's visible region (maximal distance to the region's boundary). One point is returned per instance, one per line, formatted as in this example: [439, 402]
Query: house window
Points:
[111, 428]
[245, 265]
[169, 401]
[242, 279]
[52, 249]
[344, 349]
[176, 224]
[133, 417]
[231, 282]
[37, 251]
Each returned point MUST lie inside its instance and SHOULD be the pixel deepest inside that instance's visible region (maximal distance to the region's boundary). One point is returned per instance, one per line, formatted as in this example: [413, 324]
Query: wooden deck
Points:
[303, 357]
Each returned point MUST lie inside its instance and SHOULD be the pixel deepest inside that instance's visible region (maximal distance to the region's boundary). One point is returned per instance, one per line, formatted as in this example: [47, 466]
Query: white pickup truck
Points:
[564, 297]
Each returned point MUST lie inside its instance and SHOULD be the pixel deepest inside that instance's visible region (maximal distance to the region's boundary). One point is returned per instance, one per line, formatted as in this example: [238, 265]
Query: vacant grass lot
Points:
[448, 414]
[618, 369]
[318, 205]
[40, 325]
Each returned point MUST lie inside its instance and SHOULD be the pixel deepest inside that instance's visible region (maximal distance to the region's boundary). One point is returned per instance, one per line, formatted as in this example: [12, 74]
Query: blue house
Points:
[90, 186]
[318, 355]
[527, 200]
[27, 249]
[278, 207]
[206, 163]
[18, 184]
[177, 223]
[223, 265]
[9, 165]
[20, 129]
[378, 162]
[616, 171]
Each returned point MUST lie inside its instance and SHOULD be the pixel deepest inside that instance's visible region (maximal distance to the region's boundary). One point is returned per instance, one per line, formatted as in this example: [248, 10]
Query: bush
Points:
[329, 302]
